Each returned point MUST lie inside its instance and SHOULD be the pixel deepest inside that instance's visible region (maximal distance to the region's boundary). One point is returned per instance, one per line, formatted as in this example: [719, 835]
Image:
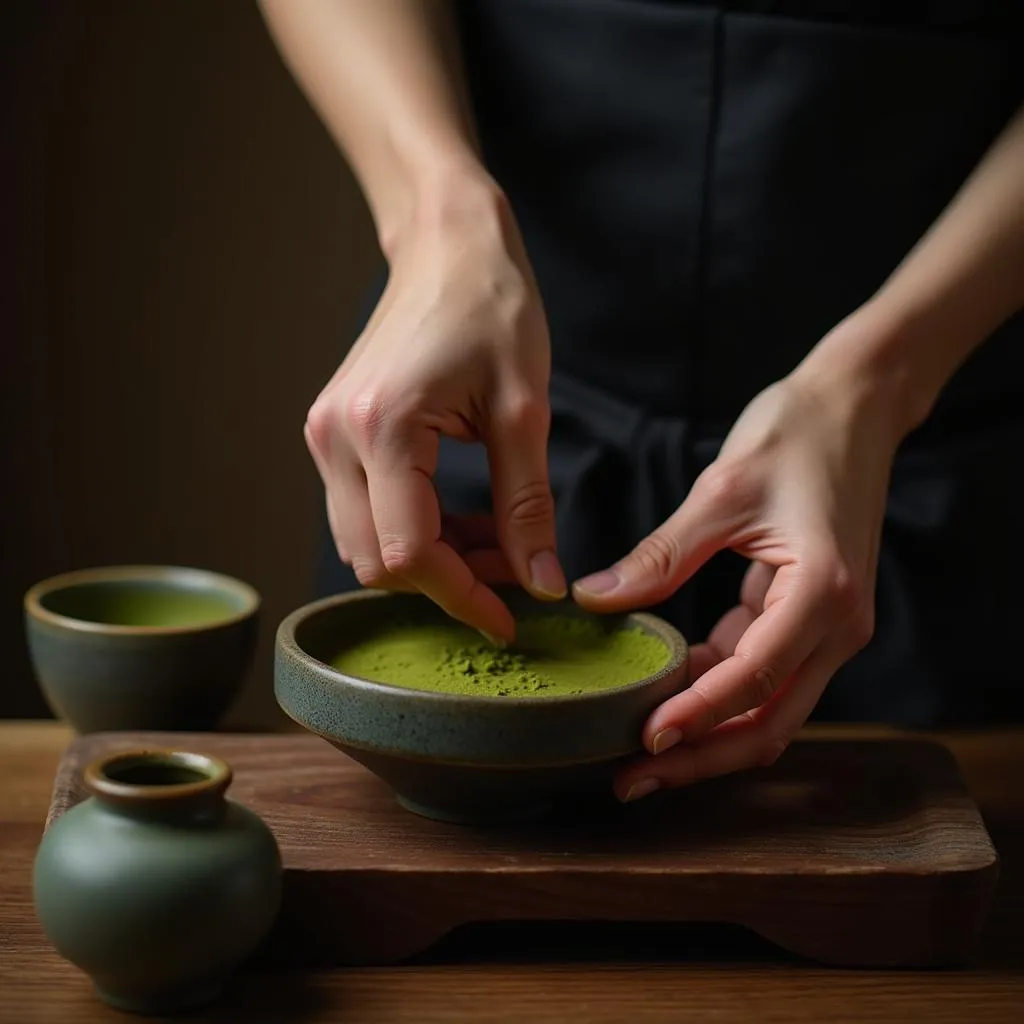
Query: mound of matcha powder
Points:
[554, 655]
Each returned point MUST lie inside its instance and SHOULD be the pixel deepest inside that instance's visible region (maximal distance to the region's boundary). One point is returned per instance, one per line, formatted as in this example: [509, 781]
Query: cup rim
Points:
[206, 578]
[216, 775]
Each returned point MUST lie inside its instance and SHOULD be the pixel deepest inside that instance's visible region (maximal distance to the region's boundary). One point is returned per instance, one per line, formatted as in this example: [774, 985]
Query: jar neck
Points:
[161, 785]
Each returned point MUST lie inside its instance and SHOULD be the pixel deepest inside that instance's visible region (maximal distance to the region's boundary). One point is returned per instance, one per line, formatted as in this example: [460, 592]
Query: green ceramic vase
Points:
[156, 885]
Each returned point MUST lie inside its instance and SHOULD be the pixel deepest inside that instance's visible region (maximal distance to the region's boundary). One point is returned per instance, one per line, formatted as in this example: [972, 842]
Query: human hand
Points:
[458, 345]
[799, 488]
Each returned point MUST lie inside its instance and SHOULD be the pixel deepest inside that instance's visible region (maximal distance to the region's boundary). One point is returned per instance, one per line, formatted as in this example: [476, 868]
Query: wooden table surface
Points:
[544, 973]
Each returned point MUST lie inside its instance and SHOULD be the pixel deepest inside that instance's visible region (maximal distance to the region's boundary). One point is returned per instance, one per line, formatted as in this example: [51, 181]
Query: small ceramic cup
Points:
[141, 647]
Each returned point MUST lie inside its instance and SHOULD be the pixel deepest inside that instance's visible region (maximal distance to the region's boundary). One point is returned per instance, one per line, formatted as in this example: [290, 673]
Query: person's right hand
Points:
[458, 345]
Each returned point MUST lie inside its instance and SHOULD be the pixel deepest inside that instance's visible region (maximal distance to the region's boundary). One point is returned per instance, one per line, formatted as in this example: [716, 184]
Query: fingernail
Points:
[665, 739]
[494, 641]
[640, 789]
[546, 574]
[600, 583]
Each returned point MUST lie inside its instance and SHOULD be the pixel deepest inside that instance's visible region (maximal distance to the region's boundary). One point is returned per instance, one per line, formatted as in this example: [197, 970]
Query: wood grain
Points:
[855, 853]
[548, 974]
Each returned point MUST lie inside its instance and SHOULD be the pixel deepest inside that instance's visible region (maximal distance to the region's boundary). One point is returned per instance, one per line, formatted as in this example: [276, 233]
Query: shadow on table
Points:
[1003, 939]
[267, 995]
[574, 942]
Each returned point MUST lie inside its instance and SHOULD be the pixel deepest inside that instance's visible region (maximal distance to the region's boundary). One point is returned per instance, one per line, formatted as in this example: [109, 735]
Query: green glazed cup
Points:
[141, 647]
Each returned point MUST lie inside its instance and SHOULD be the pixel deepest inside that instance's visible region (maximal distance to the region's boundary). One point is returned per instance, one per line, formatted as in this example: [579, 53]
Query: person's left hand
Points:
[799, 488]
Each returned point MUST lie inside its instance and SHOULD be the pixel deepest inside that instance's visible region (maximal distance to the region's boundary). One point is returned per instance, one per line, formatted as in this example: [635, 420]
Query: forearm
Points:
[960, 282]
[385, 78]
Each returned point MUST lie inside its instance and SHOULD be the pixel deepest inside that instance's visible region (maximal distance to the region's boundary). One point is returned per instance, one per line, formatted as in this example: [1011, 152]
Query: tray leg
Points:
[867, 939]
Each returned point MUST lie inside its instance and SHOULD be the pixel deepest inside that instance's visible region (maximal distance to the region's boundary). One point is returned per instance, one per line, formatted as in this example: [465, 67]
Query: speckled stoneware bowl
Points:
[469, 759]
[141, 646]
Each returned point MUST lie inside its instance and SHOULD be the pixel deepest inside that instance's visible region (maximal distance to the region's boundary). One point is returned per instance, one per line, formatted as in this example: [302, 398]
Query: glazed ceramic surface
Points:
[455, 757]
[156, 885]
[141, 647]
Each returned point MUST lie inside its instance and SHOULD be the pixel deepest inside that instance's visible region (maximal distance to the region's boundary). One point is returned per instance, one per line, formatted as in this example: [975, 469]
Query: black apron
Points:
[705, 190]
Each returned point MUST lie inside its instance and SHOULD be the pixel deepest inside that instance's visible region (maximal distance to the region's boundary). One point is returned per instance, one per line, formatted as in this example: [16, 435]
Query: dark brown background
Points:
[186, 252]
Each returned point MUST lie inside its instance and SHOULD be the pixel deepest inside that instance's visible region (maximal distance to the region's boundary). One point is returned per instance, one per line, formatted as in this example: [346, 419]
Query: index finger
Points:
[407, 516]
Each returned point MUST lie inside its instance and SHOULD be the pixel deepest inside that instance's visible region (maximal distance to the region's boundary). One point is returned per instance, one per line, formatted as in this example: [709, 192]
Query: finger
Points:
[754, 588]
[356, 535]
[713, 514]
[702, 658]
[756, 738]
[524, 508]
[351, 520]
[320, 460]
[407, 517]
[730, 627]
[770, 649]
[729, 630]
[721, 643]
[339, 543]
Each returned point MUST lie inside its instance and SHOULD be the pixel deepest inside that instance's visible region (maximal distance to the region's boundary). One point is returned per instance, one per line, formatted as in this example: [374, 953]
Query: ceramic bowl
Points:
[141, 647]
[470, 759]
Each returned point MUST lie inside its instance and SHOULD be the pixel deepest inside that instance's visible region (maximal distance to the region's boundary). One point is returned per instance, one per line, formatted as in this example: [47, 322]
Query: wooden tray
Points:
[856, 853]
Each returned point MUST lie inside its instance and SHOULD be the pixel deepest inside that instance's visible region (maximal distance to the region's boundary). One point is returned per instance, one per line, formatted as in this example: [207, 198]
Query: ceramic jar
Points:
[156, 885]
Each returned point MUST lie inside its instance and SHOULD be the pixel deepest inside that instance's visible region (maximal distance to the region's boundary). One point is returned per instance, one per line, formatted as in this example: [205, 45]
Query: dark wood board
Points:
[853, 853]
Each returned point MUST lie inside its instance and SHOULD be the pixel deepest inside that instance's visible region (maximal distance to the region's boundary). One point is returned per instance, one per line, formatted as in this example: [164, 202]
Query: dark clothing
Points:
[705, 190]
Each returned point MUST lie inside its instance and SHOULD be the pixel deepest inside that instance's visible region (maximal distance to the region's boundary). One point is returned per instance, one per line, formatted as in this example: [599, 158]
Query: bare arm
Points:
[959, 283]
[458, 344]
[800, 486]
[386, 80]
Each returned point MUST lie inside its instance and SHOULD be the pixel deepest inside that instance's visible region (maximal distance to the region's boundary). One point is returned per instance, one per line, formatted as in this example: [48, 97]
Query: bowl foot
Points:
[512, 815]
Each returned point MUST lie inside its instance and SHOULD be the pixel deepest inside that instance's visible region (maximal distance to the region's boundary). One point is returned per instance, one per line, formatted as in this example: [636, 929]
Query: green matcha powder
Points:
[553, 656]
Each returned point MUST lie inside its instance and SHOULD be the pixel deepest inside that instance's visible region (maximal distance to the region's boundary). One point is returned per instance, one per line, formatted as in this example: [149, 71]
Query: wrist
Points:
[877, 363]
[451, 193]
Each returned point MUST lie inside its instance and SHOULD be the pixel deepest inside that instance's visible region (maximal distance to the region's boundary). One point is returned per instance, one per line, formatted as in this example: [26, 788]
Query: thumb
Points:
[524, 510]
[663, 561]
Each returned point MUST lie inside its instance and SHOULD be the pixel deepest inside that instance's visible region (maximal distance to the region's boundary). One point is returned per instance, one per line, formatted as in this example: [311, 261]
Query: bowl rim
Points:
[207, 579]
[678, 646]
